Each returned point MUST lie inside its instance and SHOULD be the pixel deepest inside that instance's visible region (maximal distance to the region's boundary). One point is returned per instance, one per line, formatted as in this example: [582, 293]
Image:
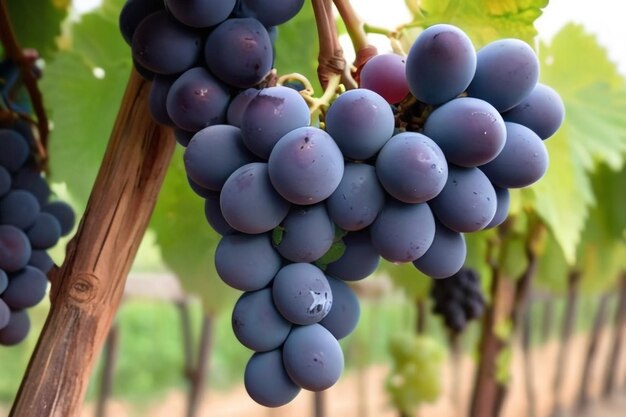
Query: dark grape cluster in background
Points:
[423, 152]
[459, 299]
[31, 222]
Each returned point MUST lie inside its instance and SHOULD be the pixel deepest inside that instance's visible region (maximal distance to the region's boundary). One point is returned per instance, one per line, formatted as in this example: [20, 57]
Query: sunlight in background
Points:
[602, 17]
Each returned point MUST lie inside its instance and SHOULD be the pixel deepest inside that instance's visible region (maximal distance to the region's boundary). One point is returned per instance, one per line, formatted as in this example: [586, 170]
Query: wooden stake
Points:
[88, 287]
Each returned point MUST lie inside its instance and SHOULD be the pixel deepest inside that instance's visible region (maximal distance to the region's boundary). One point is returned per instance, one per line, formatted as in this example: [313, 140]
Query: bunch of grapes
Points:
[31, 222]
[400, 168]
[458, 300]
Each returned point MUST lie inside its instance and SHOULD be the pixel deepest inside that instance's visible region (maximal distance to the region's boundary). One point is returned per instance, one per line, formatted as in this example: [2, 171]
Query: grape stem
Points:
[330, 60]
[356, 29]
[15, 53]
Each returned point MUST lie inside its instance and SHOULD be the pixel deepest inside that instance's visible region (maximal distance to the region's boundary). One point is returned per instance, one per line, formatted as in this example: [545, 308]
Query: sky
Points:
[601, 17]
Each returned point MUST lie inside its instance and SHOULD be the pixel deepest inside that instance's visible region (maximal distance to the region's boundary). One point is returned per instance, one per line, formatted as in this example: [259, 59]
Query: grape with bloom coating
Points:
[386, 75]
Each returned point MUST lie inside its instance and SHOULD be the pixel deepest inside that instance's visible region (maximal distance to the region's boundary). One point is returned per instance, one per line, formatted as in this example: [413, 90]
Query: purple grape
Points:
[343, 316]
[361, 122]
[183, 137]
[502, 209]
[412, 168]
[158, 99]
[5, 181]
[386, 75]
[313, 358]
[256, 322]
[266, 380]
[163, 45]
[45, 232]
[63, 213]
[523, 161]
[248, 201]
[542, 111]
[30, 179]
[17, 329]
[358, 199]
[469, 131]
[199, 190]
[306, 166]
[214, 154]
[403, 232]
[26, 288]
[359, 260]
[507, 71]
[4, 281]
[239, 52]
[301, 293]
[5, 314]
[14, 150]
[307, 233]
[270, 12]
[19, 208]
[214, 216]
[441, 64]
[201, 13]
[468, 201]
[238, 106]
[133, 12]
[15, 249]
[247, 262]
[197, 100]
[446, 255]
[40, 260]
[270, 115]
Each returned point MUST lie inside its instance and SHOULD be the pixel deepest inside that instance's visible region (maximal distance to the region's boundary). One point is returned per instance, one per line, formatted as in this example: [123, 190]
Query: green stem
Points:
[354, 24]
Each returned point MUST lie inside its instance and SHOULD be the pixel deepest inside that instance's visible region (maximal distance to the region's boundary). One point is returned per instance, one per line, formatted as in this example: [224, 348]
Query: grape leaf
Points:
[45, 15]
[594, 131]
[483, 20]
[187, 241]
[415, 284]
[82, 105]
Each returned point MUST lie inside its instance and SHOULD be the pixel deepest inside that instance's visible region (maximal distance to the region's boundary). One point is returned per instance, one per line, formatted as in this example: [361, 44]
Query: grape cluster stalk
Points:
[32, 221]
[422, 152]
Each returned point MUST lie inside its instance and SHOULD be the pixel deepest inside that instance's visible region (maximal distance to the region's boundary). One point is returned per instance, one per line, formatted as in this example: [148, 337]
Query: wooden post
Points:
[529, 374]
[88, 287]
[111, 351]
[619, 332]
[566, 335]
[198, 376]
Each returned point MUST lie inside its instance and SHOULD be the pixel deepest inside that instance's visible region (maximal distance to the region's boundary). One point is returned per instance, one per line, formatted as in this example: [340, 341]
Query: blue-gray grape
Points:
[468, 201]
[201, 13]
[469, 131]
[248, 201]
[306, 166]
[523, 161]
[247, 262]
[163, 45]
[5, 181]
[197, 100]
[238, 106]
[214, 216]
[359, 260]
[15, 249]
[63, 213]
[133, 12]
[344, 314]
[157, 100]
[270, 12]
[412, 168]
[403, 232]
[361, 122]
[358, 199]
[19, 208]
[441, 64]
[200, 190]
[30, 179]
[4, 281]
[271, 114]
[183, 137]
[239, 52]
[507, 71]
[45, 232]
[5, 313]
[14, 150]
[256, 322]
[301, 293]
[313, 358]
[542, 111]
[266, 380]
[502, 210]
[41, 260]
[307, 233]
[26, 288]
[17, 329]
[446, 255]
[214, 154]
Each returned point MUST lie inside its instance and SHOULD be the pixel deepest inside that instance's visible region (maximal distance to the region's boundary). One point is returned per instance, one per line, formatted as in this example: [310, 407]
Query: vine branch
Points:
[330, 60]
[15, 53]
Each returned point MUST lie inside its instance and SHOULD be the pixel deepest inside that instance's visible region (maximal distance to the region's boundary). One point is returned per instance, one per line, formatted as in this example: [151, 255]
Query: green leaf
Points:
[37, 23]
[186, 240]
[415, 284]
[485, 20]
[594, 132]
[82, 106]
